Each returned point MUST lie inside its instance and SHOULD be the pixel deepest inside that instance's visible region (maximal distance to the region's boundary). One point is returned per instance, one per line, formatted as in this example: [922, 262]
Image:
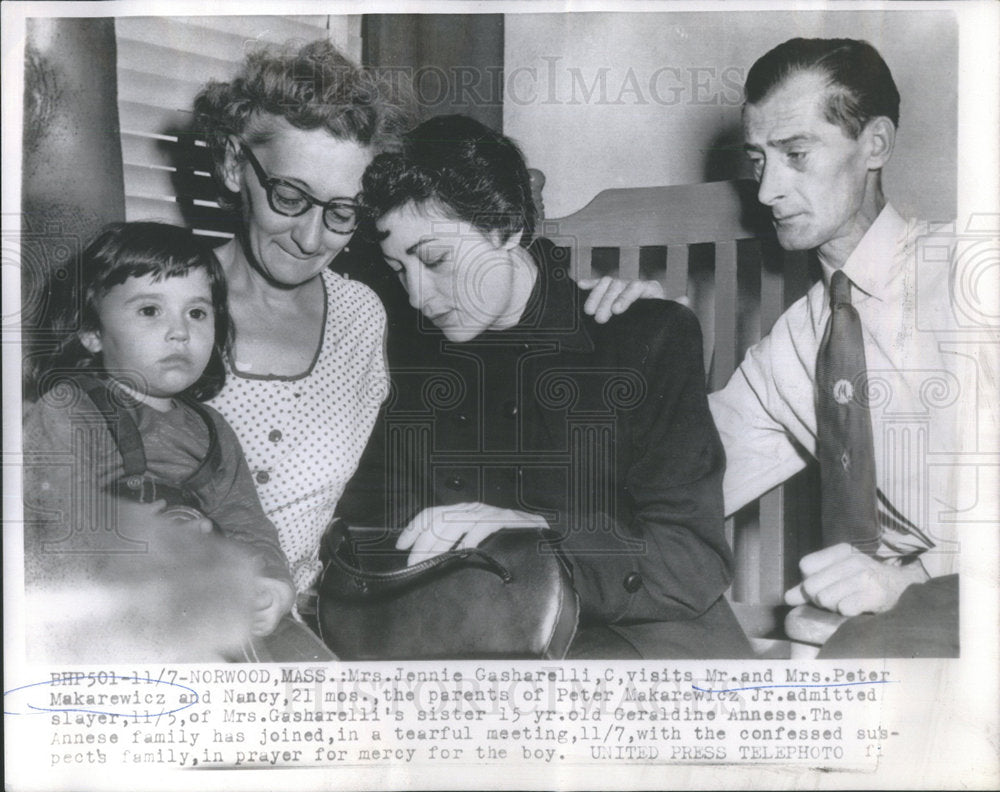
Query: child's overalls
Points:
[137, 484]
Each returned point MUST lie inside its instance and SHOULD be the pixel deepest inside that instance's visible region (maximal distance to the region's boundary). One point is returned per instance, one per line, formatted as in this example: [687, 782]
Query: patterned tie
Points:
[845, 448]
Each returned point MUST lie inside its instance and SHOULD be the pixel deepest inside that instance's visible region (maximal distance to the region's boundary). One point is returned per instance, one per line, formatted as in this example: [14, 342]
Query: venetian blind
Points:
[162, 64]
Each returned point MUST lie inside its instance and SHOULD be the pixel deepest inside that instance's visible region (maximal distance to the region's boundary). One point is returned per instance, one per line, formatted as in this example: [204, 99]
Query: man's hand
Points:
[272, 600]
[846, 581]
[464, 525]
[609, 296]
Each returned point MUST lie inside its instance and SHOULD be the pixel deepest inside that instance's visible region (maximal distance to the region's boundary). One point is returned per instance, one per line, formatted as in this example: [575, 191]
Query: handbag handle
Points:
[387, 582]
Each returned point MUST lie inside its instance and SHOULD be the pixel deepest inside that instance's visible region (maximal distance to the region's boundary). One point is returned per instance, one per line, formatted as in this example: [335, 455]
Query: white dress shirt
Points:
[930, 383]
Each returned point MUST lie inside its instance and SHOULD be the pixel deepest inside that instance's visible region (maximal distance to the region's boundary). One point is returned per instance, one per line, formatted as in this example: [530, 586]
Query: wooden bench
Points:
[712, 243]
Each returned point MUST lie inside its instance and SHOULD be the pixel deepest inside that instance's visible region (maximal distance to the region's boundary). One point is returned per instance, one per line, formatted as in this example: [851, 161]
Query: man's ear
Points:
[91, 340]
[231, 163]
[513, 241]
[881, 134]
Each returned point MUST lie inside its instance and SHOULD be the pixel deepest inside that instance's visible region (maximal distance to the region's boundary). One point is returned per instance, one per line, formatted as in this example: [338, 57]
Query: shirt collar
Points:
[556, 308]
[873, 264]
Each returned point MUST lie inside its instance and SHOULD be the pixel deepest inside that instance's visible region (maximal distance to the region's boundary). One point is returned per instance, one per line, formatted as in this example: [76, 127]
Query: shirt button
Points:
[632, 582]
[263, 477]
[274, 436]
[455, 483]
[510, 409]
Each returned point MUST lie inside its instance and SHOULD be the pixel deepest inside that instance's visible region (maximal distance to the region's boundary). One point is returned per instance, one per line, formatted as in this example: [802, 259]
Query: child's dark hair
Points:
[133, 250]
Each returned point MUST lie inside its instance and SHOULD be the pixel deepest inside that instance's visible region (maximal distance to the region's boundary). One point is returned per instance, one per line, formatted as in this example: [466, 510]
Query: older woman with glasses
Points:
[291, 136]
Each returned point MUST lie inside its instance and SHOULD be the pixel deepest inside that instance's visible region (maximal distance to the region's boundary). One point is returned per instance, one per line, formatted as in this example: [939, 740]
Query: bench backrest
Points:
[711, 243]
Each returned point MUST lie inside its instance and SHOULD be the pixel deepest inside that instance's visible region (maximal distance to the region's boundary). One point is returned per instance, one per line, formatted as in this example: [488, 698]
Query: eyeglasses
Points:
[340, 215]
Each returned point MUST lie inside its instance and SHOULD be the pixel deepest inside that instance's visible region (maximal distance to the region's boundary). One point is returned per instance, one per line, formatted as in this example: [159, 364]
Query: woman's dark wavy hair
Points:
[312, 87]
[474, 173]
[132, 250]
[860, 84]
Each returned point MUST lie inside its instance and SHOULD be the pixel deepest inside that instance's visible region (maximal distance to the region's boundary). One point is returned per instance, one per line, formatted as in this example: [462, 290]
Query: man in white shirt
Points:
[820, 122]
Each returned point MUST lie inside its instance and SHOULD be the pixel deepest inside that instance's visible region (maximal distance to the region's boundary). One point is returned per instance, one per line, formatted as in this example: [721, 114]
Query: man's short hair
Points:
[860, 83]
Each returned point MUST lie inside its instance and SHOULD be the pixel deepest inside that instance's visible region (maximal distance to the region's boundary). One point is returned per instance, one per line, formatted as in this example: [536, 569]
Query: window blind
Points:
[162, 64]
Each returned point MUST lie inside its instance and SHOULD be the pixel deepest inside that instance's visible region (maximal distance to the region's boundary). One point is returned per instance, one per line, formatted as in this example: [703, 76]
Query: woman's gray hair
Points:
[310, 87]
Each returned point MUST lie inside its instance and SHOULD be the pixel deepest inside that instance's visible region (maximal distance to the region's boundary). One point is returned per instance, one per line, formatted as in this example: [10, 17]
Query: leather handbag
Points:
[511, 597]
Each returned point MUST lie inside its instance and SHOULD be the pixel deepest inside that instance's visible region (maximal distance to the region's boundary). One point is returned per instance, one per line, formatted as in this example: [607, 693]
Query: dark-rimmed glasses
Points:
[340, 215]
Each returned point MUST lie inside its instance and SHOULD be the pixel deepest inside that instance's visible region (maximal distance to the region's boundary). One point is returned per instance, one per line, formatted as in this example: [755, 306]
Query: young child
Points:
[118, 438]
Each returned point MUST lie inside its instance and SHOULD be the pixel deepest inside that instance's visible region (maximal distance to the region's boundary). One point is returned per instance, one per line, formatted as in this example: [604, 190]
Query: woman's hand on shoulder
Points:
[460, 526]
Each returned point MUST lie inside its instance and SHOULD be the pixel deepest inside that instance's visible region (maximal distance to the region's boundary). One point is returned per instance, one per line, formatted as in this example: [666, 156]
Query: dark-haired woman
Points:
[511, 408]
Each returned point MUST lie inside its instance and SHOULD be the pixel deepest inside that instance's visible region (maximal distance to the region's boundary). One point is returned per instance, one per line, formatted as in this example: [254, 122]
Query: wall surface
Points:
[446, 60]
[635, 99]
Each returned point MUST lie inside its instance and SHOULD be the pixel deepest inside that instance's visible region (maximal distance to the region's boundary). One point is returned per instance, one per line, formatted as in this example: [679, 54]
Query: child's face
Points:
[157, 333]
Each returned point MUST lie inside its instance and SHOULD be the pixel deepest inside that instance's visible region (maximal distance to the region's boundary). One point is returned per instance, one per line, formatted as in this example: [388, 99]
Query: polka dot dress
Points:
[303, 435]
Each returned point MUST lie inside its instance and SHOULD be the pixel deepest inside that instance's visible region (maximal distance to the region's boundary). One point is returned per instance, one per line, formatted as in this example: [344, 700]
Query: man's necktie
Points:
[845, 449]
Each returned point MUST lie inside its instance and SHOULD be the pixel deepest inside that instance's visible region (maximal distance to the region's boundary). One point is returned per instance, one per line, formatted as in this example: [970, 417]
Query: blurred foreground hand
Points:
[168, 593]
